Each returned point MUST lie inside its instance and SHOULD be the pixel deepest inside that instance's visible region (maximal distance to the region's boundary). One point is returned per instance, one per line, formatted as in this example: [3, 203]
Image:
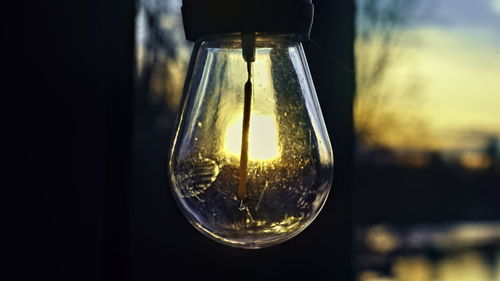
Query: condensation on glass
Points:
[290, 159]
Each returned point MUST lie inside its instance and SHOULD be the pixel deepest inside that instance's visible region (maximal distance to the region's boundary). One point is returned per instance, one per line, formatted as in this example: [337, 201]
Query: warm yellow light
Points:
[474, 160]
[263, 139]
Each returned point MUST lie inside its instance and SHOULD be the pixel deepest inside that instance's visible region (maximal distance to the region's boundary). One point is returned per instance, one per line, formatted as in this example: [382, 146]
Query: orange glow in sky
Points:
[445, 80]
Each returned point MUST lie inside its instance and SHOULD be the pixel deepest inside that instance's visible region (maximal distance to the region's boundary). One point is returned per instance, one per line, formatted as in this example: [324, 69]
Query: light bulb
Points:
[251, 163]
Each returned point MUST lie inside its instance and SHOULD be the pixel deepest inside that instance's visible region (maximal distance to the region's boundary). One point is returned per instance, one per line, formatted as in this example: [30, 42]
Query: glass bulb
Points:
[251, 163]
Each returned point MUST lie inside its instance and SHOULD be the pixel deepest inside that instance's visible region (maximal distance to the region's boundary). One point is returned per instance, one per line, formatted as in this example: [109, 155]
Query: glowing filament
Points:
[263, 139]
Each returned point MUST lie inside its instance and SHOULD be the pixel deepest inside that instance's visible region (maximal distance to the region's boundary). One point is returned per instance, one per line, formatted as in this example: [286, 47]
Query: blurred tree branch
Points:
[380, 120]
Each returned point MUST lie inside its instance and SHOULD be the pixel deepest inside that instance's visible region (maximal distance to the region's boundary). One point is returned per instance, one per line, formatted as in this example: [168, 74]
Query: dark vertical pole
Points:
[331, 59]
[67, 100]
[117, 54]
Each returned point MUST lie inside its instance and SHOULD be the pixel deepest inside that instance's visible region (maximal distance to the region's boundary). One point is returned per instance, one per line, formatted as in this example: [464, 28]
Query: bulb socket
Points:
[210, 17]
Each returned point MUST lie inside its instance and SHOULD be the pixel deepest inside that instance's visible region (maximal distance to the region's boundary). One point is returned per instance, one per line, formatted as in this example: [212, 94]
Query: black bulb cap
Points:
[210, 17]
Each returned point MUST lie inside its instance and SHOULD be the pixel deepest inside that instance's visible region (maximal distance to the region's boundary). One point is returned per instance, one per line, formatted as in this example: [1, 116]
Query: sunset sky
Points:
[451, 53]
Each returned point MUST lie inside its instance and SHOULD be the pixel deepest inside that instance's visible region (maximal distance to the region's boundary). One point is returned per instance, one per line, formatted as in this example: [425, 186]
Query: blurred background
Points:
[426, 155]
[410, 93]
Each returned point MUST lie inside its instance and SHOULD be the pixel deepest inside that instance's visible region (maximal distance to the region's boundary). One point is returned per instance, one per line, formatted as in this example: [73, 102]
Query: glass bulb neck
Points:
[248, 42]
